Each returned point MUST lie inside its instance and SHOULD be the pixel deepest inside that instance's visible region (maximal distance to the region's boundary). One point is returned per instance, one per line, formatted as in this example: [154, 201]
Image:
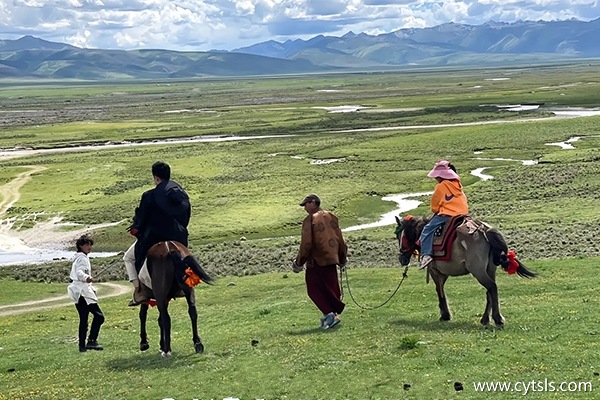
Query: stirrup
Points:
[137, 300]
[133, 303]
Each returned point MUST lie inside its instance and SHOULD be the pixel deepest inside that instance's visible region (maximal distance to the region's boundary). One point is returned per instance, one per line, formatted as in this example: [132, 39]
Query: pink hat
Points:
[442, 170]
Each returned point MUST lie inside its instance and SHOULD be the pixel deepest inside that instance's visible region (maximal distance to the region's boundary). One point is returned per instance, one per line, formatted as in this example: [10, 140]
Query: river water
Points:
[36, 256]
[405, 203]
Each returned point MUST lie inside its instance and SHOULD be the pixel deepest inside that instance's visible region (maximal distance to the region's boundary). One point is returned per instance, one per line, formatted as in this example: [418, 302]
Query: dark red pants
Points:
[324, 289]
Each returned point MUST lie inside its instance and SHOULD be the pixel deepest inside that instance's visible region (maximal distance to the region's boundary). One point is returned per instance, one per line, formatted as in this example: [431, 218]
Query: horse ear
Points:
[398, 220]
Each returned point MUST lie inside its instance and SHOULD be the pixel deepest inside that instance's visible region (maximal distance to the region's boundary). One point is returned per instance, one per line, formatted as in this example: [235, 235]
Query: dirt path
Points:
[115, 289]
[9, 193]
[45, 233]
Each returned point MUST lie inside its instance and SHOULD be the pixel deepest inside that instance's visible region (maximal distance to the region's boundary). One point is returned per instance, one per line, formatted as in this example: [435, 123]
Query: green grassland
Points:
[246, 223]
[36, 291]
[398, 351]
[249, 189]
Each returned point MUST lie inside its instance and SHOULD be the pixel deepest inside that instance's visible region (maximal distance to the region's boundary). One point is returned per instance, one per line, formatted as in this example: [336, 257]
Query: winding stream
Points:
[405, 203]
[13, 250]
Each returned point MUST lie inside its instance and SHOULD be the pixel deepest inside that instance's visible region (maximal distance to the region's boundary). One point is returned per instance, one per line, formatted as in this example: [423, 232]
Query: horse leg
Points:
[497, 317]
[440, 281]
[143, 336]
[488, 281]
[485, 318]
[164, 320]
[193, 313]
[161, 341]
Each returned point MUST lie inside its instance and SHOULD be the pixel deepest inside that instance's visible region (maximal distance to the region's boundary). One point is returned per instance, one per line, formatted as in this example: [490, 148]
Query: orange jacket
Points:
[448, 198]
[322, 242]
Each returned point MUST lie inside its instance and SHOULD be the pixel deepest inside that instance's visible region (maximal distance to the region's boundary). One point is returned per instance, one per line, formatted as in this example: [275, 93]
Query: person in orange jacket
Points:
[448, 200]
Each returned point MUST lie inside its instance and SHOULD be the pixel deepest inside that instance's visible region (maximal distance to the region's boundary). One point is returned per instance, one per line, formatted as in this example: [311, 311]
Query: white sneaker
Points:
[425, 261]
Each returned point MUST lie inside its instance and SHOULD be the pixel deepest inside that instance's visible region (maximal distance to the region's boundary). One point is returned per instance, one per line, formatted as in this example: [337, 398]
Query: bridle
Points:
[408, 246]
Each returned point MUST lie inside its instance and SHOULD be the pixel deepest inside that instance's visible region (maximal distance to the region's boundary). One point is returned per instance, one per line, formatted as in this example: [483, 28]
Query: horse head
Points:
[408, 232]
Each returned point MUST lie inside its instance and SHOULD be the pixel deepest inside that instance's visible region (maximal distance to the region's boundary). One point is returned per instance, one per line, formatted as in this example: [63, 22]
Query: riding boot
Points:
[138, 295]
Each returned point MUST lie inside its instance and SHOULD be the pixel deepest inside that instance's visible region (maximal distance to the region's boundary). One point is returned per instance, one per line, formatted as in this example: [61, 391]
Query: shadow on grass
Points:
[153, 361]
[437, 325]
[313, 331]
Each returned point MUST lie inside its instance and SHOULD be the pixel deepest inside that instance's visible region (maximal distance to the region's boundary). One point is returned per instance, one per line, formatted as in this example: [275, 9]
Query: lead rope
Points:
[344, 270]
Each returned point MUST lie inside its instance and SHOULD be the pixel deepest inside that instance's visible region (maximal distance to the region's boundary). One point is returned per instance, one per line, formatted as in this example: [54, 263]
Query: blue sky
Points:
[194, 25]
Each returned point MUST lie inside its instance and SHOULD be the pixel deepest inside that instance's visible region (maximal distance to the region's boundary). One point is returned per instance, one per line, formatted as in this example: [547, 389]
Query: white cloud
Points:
[227, 24]
[80, 39]
[245, 7]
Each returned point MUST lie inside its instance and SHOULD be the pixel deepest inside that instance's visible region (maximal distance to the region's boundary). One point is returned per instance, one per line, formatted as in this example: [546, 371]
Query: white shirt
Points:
[80, 272]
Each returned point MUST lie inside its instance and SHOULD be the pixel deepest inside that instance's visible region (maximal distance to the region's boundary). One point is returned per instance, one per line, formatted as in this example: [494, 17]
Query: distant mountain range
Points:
[450, 44]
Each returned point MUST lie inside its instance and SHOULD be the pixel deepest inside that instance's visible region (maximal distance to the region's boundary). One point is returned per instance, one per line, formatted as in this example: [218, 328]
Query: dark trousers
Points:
[324, 289]
[84, 309]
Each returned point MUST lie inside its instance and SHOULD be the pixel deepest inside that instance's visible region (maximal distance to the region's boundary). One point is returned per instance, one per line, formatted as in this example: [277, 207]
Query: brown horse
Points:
[167, 263]
[477, 250]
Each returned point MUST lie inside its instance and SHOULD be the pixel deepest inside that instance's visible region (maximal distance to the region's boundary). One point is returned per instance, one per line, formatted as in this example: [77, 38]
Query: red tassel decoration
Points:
[513, 264]
[192, 279]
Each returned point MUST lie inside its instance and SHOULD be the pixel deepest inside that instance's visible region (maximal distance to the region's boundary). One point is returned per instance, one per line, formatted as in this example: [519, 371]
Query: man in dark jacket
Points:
[163, 214]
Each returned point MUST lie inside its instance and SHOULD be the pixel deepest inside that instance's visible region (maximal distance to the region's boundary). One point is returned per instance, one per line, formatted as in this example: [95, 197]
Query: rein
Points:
[345, 271]
[102, 271]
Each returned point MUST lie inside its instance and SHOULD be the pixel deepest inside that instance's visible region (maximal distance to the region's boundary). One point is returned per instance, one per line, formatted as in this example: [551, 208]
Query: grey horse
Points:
[478, 249]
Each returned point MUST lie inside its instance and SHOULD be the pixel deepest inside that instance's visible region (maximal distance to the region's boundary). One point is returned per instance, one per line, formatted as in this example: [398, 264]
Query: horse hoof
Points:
[165, 354]
[499, 321]
[144, 346]
[199, 347]
[485, 321]
[445, 318]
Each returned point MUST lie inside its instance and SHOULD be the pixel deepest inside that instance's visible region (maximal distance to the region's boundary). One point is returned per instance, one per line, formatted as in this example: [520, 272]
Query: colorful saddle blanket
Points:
[443, 237]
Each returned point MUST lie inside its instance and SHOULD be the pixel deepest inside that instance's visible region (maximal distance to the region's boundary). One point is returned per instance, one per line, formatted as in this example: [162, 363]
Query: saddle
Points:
[181, 258]
[163, 249]
[444, 236]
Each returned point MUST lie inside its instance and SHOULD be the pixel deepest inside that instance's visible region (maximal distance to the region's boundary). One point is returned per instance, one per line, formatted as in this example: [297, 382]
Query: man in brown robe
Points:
[322, 249]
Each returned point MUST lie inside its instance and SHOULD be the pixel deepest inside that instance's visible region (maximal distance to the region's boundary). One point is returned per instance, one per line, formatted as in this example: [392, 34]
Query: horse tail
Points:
[182, 262]
[506, 259]
[195, 266]
[523, 272]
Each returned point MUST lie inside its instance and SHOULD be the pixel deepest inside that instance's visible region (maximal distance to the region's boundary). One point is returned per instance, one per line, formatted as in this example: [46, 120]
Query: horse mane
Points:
[409, 227]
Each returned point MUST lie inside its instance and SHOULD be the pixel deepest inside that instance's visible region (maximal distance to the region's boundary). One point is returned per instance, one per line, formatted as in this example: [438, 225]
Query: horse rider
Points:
[163, 214]
[448, 200]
